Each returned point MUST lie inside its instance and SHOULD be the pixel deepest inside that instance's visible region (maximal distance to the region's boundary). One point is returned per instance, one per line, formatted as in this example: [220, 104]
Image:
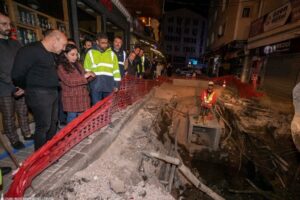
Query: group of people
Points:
[53, 76]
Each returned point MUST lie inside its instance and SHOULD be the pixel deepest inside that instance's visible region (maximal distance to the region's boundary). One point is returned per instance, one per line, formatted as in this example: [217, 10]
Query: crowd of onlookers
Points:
[57, 81]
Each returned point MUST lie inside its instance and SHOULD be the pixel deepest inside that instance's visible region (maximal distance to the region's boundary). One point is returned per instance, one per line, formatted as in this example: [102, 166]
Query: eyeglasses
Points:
[5, 24]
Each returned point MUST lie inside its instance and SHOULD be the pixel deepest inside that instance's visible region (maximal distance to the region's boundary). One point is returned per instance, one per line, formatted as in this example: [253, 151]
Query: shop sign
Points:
[278, 48]
[295, 10]
[107, 3]
[277, 17]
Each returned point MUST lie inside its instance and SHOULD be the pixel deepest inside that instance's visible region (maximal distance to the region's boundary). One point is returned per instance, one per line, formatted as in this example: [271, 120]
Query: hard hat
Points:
[211, 83]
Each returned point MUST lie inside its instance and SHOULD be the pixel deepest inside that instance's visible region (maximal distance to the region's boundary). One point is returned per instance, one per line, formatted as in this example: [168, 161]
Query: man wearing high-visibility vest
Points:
[141, 65]
[208, 99]
[104, 63]
[121, 54]
[144, 67]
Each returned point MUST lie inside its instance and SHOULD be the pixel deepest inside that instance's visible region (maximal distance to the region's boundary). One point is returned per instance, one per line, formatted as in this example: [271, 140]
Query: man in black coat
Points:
[11, 97]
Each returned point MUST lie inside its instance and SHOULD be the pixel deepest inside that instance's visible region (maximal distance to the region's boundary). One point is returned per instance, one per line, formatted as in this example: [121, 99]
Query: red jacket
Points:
[75, 95]
[208, 100]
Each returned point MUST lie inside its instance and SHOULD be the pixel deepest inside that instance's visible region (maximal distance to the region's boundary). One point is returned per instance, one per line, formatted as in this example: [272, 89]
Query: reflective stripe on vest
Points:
[101, 64]
[143, 64]
[124, 58]
[208, 99]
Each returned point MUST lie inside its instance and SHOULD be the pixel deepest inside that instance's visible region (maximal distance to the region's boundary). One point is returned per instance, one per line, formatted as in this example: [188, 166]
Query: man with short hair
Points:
[11, 97]
[104, 63]
[35, 71]
[87, 45]
[144, 67]
[121, 54]
[130, 68]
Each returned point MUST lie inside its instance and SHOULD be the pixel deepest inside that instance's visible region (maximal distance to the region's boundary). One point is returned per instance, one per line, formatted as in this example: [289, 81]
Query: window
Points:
[195, 22]
[202, 29]
[221, 30]
[170, 29]
[178, 30]
[224, 5]
[177, 48]
[216, 15]
[179, 20]
[246, 12]
[186, 31]
[192, 50]
[171, 19]
[169, 48]
[195, 32]
[187, 22]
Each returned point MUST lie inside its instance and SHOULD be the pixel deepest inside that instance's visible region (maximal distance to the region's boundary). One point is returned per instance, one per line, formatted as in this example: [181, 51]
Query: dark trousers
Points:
[8, 106]
[43, 103]
[98, 96]
[62, 115]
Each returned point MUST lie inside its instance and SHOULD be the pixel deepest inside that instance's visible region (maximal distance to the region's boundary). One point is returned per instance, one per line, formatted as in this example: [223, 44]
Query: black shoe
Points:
[18, 145]
[5, 170]
[29, 137]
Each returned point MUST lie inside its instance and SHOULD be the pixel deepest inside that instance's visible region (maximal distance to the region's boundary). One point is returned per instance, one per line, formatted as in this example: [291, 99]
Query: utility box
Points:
[204, 135]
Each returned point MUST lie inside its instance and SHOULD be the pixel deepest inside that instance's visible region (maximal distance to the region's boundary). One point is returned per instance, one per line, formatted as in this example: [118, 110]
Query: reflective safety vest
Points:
[208, 98]
[103, 63]
[143, 65]
[124, 58]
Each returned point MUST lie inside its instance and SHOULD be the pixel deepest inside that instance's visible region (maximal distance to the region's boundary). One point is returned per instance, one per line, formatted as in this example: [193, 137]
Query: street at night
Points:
[150, 99]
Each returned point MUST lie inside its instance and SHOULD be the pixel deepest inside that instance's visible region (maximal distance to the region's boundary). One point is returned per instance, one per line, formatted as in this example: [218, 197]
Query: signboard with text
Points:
[295, 10]
[277, 17]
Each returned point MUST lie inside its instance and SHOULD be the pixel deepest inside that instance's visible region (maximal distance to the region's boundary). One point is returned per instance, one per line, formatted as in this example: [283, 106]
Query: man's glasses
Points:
[5, 24]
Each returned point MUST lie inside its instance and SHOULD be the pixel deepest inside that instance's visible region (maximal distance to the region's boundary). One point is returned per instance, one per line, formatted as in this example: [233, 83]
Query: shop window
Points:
[246, 12]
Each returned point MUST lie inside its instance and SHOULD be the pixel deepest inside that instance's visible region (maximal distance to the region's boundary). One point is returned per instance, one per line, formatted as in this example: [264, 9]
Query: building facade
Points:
[274, 48]
[228, 30]
[183, 37]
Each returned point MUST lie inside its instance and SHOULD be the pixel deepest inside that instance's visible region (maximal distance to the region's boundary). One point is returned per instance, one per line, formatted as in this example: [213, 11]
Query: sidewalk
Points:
[6, 161]
[80, 156]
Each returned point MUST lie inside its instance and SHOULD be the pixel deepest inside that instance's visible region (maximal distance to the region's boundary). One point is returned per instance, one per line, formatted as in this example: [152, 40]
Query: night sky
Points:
[199, 6]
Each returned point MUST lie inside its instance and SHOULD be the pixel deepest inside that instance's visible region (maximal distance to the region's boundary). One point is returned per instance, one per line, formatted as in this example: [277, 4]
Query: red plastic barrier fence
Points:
[131, 90]
[245, 90]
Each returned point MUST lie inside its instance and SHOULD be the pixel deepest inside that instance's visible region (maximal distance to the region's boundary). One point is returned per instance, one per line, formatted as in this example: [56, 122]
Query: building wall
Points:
[280, 71]
[183, 35]
[229, 20]
[269, 5]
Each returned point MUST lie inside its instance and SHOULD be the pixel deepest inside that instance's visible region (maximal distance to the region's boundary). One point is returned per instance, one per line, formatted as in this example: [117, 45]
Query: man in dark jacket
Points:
[11, 98]
[137, 61]
[121, 54]
[35, 71]
[144, 65]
